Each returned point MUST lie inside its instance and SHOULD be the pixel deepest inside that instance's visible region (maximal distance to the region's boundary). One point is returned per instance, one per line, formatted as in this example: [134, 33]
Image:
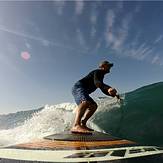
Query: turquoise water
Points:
[139, 118]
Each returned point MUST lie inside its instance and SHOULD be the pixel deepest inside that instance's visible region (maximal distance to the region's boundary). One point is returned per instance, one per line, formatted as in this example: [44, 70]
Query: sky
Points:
[45, 47]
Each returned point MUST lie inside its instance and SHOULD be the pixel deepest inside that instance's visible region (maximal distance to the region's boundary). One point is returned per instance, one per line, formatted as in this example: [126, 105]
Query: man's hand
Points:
[112, 92]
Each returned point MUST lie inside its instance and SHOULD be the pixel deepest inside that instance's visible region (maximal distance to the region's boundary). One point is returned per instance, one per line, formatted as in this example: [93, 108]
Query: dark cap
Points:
[104, 63]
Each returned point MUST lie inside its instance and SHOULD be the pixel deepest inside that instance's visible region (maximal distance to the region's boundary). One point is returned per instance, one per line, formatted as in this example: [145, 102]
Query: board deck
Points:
[69, 141]
[94, 136]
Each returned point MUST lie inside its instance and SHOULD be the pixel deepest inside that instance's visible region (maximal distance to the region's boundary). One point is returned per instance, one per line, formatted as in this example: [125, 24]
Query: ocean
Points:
[138, 118]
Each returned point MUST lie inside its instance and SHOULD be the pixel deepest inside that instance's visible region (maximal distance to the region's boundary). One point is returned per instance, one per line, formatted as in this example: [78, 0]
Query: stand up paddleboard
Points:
[71, 147]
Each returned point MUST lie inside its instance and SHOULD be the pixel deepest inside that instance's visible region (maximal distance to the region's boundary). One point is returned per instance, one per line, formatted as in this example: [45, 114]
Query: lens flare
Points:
[25, 55]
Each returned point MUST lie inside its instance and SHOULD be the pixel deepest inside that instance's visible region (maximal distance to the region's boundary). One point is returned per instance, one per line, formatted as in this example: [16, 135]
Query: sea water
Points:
[137, 118]
[50, 119]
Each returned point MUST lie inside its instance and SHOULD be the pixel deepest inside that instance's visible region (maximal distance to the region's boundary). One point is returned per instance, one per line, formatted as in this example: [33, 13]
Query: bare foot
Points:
[79, 129]
[85, 126]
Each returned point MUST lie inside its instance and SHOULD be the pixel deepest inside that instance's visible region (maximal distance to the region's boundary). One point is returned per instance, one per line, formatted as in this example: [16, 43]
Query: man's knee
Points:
[90, 105]
[93, 106]
[85, 103]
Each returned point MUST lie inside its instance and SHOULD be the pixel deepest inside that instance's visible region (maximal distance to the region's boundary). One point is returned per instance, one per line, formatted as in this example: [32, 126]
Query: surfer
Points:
[86, 105]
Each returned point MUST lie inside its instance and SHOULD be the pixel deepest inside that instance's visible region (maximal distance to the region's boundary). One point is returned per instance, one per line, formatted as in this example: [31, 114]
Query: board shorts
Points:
[80, 94]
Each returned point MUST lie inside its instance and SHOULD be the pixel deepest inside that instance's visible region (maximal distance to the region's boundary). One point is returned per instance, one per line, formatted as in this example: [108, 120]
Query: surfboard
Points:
[72, 147]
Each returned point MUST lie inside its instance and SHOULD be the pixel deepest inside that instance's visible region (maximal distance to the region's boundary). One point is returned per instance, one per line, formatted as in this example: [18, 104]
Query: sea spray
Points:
[50, 120]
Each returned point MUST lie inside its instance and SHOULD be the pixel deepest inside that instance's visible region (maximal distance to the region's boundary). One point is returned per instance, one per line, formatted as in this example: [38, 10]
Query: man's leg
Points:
[89, 112]
[79, 114]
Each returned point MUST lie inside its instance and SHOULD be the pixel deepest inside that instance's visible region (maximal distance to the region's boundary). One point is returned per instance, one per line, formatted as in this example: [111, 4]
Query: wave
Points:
[138, 118]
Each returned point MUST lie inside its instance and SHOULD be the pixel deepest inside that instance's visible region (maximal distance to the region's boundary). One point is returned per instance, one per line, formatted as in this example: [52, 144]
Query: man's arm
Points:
[106, 89]
[113, 92]
[109, 91]
[98, 81]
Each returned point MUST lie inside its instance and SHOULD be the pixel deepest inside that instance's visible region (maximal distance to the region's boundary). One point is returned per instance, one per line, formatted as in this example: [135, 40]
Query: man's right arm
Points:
[112, 92]
[98, 81]
[106, 89]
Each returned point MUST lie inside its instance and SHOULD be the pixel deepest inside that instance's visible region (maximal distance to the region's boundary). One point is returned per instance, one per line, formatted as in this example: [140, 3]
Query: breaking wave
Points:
[137, 118]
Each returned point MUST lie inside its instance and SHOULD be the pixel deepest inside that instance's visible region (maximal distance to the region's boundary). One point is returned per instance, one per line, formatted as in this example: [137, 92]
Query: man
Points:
[86, 105]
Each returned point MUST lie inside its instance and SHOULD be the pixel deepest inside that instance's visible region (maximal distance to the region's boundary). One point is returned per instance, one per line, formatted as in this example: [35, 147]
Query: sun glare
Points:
[25, 55]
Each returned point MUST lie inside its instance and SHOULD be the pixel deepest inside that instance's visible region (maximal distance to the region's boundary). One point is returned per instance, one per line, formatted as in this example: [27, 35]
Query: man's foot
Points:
[85, 126]
[80, 129]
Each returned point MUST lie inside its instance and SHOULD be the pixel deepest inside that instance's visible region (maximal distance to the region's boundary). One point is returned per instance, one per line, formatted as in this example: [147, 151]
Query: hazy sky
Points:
[47, 46]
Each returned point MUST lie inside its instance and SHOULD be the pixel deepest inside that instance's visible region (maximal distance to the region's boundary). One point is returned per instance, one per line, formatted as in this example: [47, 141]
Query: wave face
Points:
[138, 118]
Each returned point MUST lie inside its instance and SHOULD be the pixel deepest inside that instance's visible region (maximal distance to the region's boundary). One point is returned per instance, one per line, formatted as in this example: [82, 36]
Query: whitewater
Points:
[50, 119]
[138, 118]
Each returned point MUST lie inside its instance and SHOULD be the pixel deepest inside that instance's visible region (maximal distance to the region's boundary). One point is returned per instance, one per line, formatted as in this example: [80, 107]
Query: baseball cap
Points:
[105, 62]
